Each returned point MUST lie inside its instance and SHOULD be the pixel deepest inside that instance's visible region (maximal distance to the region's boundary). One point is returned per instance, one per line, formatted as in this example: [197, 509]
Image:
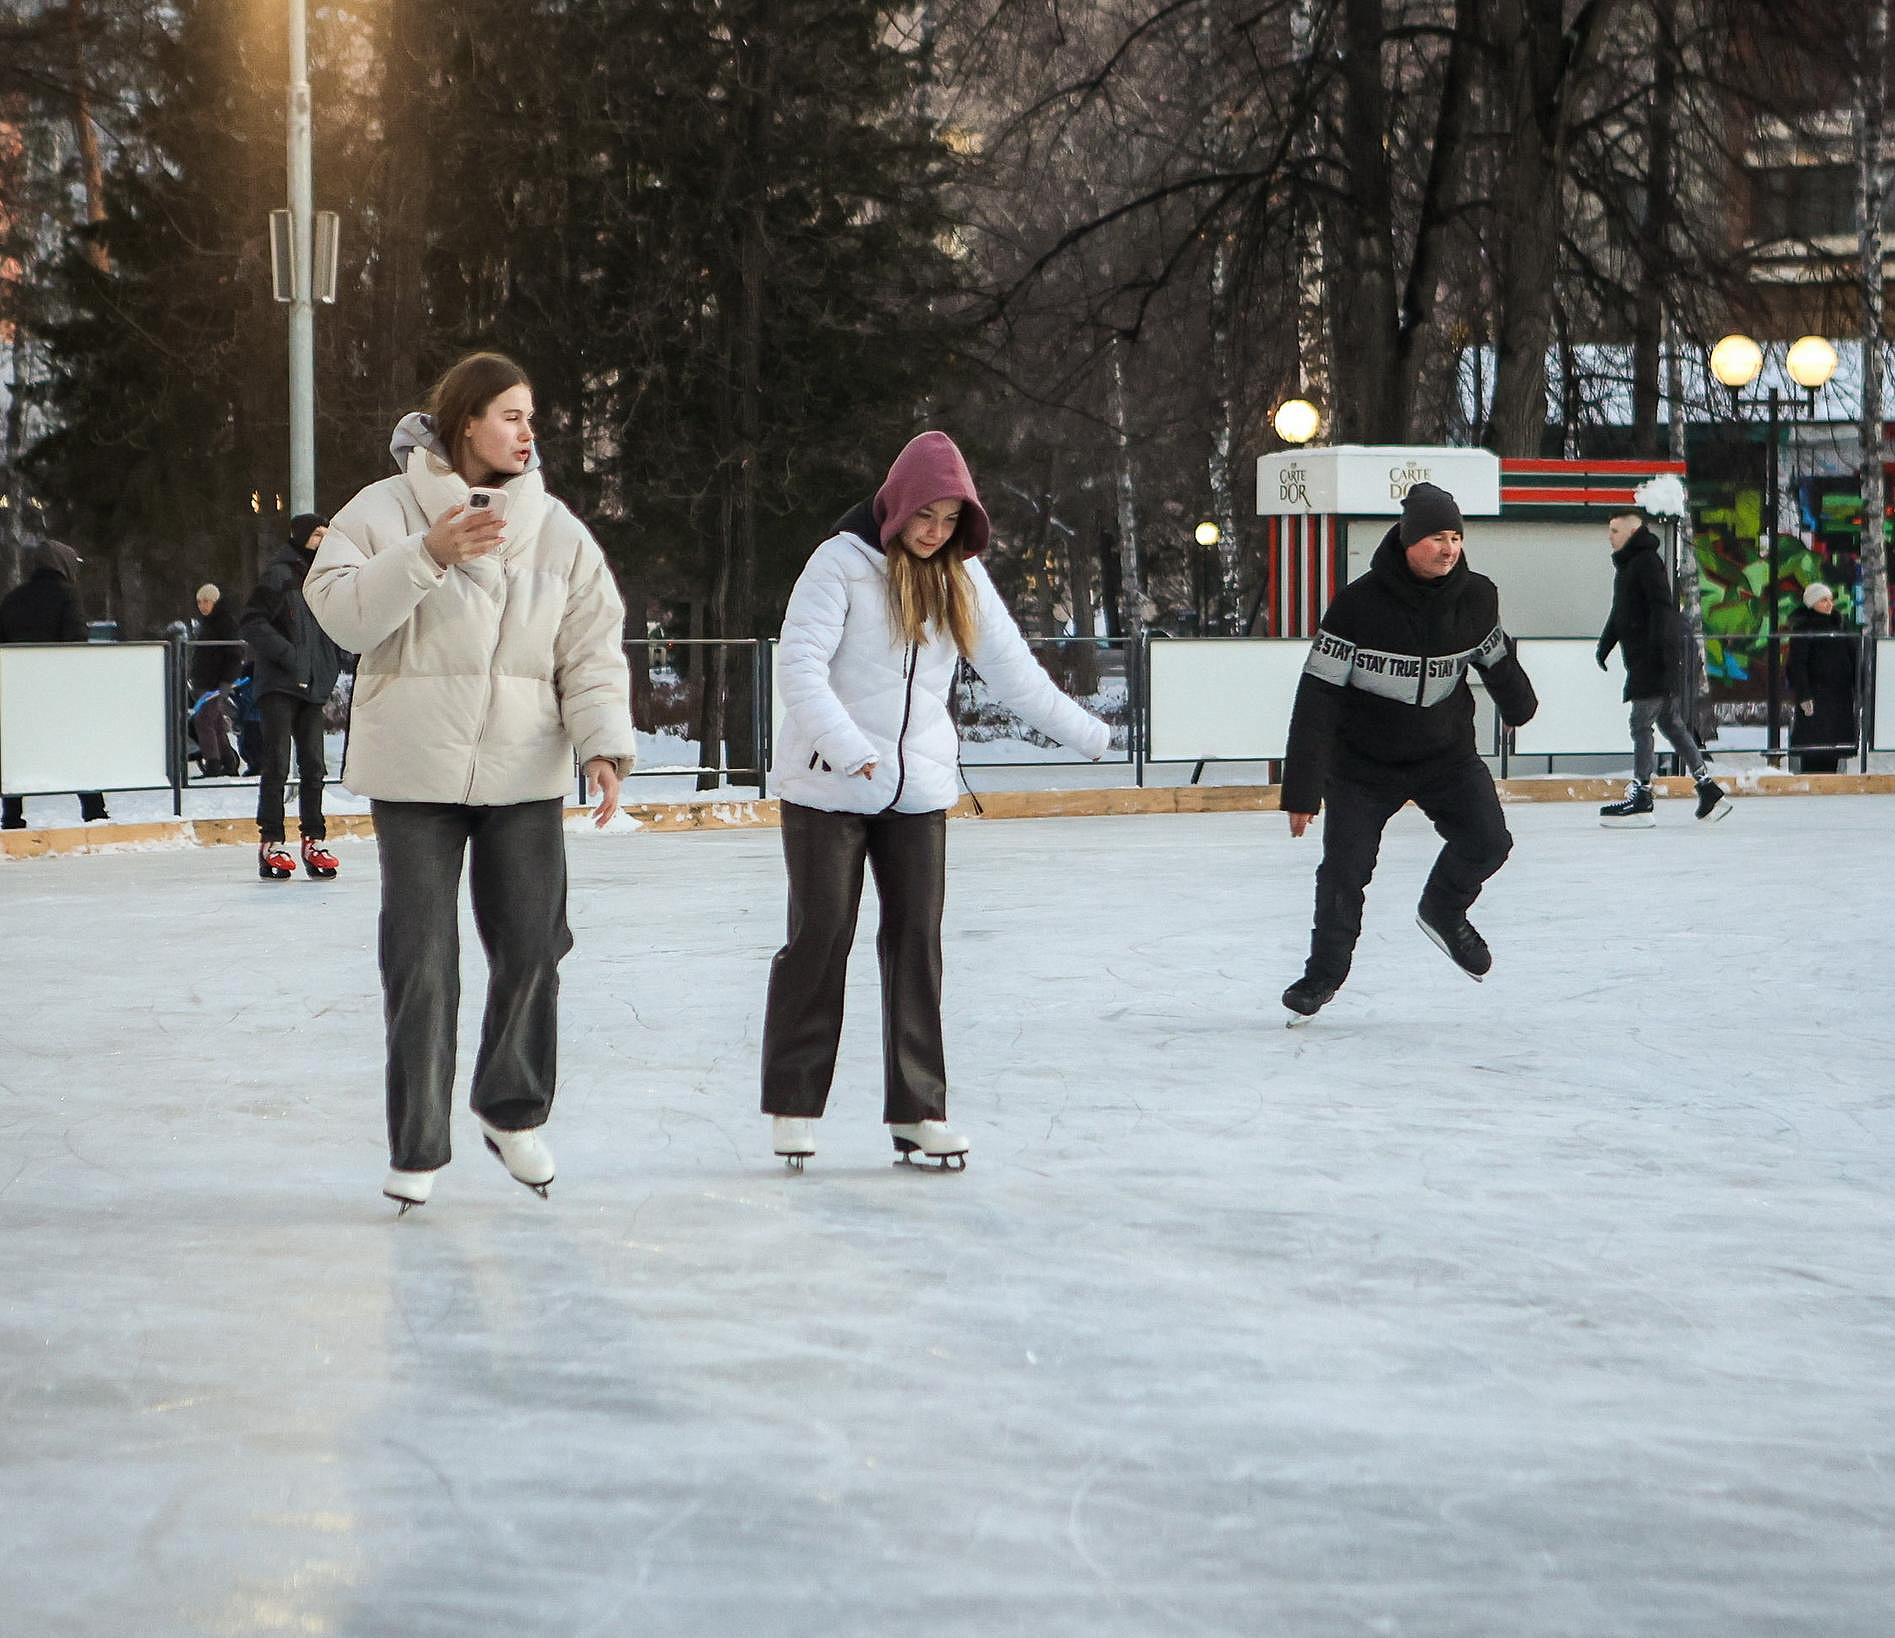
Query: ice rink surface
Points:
[1558, 1305]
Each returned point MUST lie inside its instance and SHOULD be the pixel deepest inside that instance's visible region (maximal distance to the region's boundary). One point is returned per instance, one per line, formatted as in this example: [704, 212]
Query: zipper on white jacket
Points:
[486, 708]
[908, 663]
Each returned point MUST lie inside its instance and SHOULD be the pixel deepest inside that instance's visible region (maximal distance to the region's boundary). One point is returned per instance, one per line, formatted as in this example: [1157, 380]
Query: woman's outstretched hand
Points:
[602, 782]
[1299, 822]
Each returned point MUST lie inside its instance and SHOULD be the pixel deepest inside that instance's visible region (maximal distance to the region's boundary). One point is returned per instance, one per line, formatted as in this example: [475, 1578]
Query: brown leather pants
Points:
[802, 1022]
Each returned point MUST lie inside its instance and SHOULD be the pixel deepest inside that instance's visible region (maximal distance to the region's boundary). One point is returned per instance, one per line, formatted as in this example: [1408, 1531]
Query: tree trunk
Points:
[1543, 68]
[1362, 302]
[91, 167]
[410, 105]
[729, 694]
[1525, 252]
[1223, 441]
[1415, 336]
[1688, 580]
[1313, 337]
[1085, 669]
[1872, 195]
[1131, 591]
[1111, 581]
[1654, 250]
[1222, 145]
[12, 447]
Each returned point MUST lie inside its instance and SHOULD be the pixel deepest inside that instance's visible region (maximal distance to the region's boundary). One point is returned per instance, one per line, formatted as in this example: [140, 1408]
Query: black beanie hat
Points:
[305, 524]
[1427, 509]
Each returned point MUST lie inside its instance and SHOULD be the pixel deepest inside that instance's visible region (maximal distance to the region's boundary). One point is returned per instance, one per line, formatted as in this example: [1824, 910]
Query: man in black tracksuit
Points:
[1384, 716]
[296, 666]
[1643, 626]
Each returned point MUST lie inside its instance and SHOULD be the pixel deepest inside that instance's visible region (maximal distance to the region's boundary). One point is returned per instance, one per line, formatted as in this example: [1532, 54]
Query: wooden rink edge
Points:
[1108, 802]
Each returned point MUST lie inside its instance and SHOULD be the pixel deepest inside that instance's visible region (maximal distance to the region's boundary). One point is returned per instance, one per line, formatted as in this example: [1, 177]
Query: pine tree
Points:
[167, 381]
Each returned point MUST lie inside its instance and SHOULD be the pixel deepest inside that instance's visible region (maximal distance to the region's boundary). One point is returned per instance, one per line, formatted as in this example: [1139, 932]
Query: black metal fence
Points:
[1793, 722]
[1102, 673]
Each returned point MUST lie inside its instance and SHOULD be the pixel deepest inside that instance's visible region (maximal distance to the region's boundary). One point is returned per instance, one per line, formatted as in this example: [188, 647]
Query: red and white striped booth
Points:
[1537, 528]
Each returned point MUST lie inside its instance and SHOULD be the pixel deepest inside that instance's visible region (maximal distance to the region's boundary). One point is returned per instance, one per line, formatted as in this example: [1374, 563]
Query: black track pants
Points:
[1458, 796]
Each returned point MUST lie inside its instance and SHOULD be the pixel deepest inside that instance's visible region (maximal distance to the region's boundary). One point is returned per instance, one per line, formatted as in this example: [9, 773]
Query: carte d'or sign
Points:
[1369, 480]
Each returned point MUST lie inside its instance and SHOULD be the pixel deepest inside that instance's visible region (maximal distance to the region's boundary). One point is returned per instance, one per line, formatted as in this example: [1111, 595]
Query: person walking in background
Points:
[1822, 670]
[1644, 627]
[880, 617]
[492, 644]
[213, 670]
[1383, 717]
[295, 668]
[45, 608]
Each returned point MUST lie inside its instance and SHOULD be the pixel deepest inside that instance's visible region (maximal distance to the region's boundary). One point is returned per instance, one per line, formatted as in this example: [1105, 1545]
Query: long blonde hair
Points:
[931, 591]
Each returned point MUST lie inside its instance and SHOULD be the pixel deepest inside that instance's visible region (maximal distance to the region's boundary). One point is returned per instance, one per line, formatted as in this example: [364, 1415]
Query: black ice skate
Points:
[1455, 934]
[931, 1140]
[275, 862]
[1634, 813]
[1713, 804]
[1305, 998]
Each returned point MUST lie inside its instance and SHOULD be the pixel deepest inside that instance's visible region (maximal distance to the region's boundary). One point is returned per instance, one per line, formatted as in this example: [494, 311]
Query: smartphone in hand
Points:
[491, 502]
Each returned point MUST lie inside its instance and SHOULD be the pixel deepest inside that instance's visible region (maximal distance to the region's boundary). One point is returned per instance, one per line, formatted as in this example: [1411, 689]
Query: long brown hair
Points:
[463, 394]
[931, 591]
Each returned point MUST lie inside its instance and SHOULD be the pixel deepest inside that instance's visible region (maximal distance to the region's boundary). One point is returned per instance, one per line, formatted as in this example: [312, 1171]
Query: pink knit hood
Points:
[931, 469]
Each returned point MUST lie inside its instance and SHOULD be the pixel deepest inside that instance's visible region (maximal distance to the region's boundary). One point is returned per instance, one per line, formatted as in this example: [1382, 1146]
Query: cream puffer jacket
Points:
[853, 693]
[477, 683]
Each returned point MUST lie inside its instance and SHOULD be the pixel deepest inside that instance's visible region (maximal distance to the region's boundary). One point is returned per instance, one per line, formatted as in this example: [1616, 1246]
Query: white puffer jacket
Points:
[477, 683]
[854, 694]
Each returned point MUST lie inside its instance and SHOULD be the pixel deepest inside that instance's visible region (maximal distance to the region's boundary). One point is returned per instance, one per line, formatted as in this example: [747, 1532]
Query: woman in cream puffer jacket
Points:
[491, 651]
[882, 613]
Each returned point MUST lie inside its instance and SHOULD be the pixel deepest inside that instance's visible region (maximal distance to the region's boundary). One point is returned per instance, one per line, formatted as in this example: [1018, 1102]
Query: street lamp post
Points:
[302, 271]
[1737, 361]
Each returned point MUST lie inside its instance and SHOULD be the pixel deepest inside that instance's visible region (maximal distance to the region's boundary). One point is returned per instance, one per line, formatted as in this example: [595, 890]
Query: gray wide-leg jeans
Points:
[518, 878]
[1666, 713]
[802, 1020]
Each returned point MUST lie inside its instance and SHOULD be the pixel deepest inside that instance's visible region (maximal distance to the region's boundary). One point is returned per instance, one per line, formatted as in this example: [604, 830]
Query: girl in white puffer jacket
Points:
[879, 618]
[492, 649]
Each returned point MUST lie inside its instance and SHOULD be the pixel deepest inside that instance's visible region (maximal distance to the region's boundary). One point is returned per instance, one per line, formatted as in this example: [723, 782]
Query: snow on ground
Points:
[1558, 1305]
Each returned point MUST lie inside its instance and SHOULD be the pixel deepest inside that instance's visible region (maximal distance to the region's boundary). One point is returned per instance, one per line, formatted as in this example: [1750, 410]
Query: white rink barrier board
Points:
[1223, 699]
[1581, 709]
[83, 717]
[1884, 739]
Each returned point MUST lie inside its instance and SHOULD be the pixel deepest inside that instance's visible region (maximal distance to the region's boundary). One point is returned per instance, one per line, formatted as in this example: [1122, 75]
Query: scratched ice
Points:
[1559, 1305]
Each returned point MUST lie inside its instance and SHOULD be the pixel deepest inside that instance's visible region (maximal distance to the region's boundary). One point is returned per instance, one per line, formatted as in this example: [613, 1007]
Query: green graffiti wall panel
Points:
[1734, 575]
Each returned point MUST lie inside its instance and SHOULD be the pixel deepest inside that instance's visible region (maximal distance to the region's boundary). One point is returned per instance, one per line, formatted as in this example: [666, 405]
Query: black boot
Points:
[1455, 934]
[1307, 997]
[1634, 813]
[1713, 804]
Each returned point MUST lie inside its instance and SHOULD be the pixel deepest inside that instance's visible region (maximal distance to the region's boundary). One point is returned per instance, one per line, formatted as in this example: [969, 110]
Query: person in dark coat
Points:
[1822, 669]
[295, 666]
[45, 608]
[213, 671]
[1643, 626]
[1384, 716]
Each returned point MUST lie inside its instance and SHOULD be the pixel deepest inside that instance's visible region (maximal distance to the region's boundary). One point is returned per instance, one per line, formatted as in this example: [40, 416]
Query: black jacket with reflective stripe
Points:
[1385, 687]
